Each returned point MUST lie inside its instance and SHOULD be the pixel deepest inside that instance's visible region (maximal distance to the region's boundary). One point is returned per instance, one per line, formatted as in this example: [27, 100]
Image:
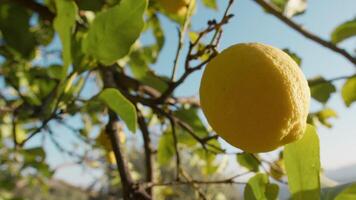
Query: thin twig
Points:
[212, 25]
[274, 11]
[314, 83]
[148, 149]
[181, 37]
[175, 143]
[230, 180]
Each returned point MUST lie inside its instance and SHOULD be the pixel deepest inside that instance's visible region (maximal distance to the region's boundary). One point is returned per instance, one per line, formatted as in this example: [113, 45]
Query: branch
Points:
[331, 80]
[42, 10]
[210, 49]
[175, 143]
[274, 11]
[131, 191]
[148, 150]
[230, 180]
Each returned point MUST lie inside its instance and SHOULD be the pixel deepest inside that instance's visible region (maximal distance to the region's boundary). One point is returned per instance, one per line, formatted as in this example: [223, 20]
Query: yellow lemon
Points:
[255, 97]
[176, 7]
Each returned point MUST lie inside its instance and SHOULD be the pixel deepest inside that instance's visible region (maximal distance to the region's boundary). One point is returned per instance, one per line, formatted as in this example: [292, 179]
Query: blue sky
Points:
[251, 24]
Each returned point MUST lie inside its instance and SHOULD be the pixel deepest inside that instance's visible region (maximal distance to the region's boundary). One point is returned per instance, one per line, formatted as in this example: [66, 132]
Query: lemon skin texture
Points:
[255, 97]
[176, 7]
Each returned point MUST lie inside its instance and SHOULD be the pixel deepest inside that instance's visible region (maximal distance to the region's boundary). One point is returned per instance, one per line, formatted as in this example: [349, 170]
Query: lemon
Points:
[176, 7]
[255, 97]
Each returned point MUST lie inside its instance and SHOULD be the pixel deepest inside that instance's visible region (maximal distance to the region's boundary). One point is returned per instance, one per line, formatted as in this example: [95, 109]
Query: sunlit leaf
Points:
[349, 91]
[295, 7]
[123, 107]
[344, 31]
[211, 4]
[347, 194]
[114, 31]
[259, 188]
[291, 8]
[302, 162]
[63, 24]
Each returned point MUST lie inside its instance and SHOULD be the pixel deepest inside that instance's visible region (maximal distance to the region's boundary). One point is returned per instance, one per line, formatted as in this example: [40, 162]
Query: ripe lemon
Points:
[176, 7]
[255, 97]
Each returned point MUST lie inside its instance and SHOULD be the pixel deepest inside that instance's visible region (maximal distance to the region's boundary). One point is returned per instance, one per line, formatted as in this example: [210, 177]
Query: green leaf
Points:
[291, 8]
[324, 115]
[320, 89]
[123, 107]
[330, 193]
[259, 188]
[293, 55]
[248, 161]
[272, 191]
[344, 31]
[190, 116]
[157, 31]
[63, 24]
[348, 193]
[115, 30]
[210, 4]
[348, 91]
[165, 149]
[295, 7]
[15, 29]
[302, 162]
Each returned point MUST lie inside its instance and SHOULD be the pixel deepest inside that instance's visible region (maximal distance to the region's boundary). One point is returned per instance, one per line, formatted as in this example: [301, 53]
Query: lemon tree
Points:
[83, 87]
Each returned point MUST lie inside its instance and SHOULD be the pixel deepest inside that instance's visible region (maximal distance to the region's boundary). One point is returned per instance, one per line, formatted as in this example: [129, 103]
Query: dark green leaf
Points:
[344, 31]
[15, 29]
[348, 91]
[321, 89]
[123, 107]
[114, 31]
[93, 5]
[190, 116]
[272, 191]
[295, 57]
[302, 162]
[63, 24]
[248, 161]
[165, 149]
[330, 193]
